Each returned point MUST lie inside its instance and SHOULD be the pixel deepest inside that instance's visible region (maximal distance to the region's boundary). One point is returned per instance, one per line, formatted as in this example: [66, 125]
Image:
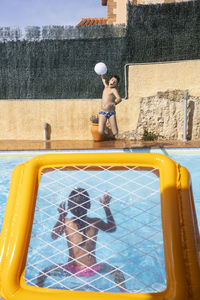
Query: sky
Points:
[23, 13]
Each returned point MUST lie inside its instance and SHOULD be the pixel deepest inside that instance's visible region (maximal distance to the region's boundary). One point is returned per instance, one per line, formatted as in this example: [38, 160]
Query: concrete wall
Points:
[69, 119]
[24, 119]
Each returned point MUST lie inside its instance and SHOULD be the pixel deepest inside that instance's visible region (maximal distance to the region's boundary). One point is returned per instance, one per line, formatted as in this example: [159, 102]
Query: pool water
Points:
[136, 248]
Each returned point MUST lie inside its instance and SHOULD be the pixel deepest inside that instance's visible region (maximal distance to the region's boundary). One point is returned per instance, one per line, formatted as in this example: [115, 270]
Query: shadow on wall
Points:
[191, 108]
[47, 131]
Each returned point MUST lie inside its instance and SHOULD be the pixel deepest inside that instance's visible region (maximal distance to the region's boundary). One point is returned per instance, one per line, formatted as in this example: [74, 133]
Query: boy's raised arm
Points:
[103, 78]
[60, 225]
[110, 226]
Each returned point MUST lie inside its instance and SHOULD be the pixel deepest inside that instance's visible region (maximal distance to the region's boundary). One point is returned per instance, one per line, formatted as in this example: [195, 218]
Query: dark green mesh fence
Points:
[57, 62]
[46, 65]
[166, 32]
[57, 69]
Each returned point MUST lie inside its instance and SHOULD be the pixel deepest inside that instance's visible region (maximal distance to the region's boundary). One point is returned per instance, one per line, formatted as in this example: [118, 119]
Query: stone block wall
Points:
[163, 115]
[117, 11]
[111, 13]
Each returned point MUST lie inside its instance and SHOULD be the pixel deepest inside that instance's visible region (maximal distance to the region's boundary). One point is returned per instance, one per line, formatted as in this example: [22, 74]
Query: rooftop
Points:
[92, 21]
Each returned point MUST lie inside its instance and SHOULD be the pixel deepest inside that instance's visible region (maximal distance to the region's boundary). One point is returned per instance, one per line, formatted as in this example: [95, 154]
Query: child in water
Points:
[81, 234]
[110, 99]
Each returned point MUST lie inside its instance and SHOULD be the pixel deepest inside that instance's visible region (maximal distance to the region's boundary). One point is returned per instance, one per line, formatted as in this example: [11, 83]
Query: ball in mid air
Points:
[100, 68]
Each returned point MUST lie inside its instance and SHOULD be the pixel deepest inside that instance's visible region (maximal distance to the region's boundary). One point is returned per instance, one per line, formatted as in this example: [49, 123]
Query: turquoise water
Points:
[137, 246]
[189, 158]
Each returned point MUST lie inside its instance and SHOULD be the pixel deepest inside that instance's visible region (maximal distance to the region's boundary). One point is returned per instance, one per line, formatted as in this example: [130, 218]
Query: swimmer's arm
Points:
[103, 78]
[110, 225]
[59, 227]
[118, 98]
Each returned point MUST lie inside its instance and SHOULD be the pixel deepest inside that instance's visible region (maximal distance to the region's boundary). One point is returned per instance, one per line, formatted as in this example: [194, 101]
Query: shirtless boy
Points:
[110, 99]
[81, 234]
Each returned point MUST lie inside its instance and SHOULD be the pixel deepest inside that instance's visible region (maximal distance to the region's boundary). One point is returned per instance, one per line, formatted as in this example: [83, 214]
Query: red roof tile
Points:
[92, 21]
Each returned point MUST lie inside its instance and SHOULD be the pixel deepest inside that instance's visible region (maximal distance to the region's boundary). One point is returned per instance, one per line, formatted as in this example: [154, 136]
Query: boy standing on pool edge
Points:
[110, 98]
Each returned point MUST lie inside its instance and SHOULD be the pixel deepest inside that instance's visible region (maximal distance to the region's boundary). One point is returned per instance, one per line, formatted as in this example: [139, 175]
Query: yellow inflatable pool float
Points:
[179, 225]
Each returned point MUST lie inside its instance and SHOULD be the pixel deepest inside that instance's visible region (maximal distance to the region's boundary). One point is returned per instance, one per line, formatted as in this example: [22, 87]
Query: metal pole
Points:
[126, 77]
[185, 116]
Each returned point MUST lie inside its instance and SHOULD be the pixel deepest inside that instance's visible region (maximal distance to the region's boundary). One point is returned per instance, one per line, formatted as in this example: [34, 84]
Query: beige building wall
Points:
[70, 119]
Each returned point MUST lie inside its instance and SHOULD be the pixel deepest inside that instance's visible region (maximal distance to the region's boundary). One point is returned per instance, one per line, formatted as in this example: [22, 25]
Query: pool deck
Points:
[20, 145]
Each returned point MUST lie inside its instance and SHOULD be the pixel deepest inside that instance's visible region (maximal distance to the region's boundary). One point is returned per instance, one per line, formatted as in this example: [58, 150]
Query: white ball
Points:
[100, 68]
